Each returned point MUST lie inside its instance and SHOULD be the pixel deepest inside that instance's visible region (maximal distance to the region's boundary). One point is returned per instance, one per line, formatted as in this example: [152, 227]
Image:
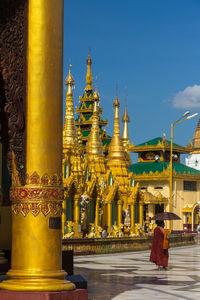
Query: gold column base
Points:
[36, 282]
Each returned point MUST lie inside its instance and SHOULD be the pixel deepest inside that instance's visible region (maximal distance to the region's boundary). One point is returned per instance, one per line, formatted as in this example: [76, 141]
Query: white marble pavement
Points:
[130, 275]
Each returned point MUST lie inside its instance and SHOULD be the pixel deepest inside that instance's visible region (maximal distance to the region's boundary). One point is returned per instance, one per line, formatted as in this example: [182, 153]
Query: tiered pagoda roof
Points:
[85, 112]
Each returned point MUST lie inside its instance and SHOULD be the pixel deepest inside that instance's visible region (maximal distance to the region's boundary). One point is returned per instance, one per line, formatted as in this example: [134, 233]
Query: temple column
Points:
[132, 212]
[147, 218]
[37, 206]
[76, 216]
[97, 212]
[192, 220]
[98, 234]
[109, 219]
[119, 212]
[140, 213]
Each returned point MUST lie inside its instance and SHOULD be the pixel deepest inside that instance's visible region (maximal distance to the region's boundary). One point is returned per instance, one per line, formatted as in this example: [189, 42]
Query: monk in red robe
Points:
[159, 256]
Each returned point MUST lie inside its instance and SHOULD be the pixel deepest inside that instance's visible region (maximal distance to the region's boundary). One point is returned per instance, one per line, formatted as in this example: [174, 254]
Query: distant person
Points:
[159, 251]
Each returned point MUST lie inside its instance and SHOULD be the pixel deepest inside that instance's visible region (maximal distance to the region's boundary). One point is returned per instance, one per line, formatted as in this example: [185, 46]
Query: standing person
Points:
[159, 256]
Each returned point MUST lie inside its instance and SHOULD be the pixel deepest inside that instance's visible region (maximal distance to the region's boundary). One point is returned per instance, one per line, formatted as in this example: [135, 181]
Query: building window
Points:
[158, 188]
[143, 188]
[189, 185]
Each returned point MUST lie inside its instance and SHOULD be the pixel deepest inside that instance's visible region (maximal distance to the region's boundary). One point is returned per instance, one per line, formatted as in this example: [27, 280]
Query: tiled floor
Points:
[130, 275]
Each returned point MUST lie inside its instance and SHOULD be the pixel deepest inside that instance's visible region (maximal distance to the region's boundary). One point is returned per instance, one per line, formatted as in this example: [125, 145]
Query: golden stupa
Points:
[99, 189]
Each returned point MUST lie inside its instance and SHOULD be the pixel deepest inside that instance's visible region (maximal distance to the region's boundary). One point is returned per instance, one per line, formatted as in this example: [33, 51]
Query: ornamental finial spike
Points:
[116, 150]
[69, 82]
[70, 139]
[89, 74]
[116, 101]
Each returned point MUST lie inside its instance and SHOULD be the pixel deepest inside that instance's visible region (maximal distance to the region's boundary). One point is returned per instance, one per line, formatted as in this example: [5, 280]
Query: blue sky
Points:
[152, 47]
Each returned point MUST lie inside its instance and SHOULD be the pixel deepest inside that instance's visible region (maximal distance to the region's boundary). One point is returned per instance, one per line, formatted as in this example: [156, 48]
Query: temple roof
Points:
[159, 143]
[147, 167]
[156, 142]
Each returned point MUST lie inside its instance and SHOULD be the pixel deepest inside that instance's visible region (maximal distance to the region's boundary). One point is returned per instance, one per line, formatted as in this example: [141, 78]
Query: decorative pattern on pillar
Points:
[13, 66]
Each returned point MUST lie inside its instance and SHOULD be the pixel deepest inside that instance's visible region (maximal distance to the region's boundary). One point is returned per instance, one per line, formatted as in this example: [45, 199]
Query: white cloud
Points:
[188, 98]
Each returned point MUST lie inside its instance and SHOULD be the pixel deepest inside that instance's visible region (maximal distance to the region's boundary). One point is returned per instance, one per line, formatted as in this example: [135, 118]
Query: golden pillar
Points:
[109, 221]
[132, 217]
[64, 215]
[119, 212]
[140, 213]
[97, 232]
[76, 215]
[147, 218]
[97, 212]
[37, 206]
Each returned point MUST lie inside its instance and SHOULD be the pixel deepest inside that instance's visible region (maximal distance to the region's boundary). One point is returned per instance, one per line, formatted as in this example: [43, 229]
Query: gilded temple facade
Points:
[99, 188]
[104, 191]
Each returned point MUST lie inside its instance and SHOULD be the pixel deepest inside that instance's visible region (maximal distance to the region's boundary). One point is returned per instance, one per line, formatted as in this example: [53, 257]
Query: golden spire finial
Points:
[196, 139]
[94, 145]
[69, 82]
[70, 139]
[164, 137]
[116, 150]
[89, 74]
[125, 120]
[116, 101]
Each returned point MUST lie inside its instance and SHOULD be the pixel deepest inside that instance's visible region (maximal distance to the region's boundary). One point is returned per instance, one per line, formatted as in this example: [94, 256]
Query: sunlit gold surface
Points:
[196, 140]
[89, 75]
[70, 139]
[72, 159]
[94, 145]
[116, 150]
[125, 120]
[36, 249]
[125, 136]
[84, 123]
[44, 86]
[116, 154]
[89, 176]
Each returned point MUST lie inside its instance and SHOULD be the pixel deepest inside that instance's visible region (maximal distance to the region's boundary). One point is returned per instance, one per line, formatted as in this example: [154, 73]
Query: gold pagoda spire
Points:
[125, 120]
[116, 149]
[196, 140]
[89, 74]
[94, 145]
[70, 139]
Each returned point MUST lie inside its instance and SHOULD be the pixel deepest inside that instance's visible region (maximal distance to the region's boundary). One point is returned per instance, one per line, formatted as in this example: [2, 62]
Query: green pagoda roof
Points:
[85, 133]
[87, 117]
[148, 167]
[155, 142]
[106, 142]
